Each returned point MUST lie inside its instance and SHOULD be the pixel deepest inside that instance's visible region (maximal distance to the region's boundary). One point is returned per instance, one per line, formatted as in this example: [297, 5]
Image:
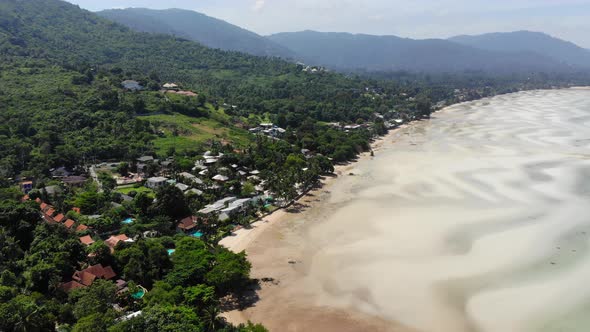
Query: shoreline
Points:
[240, 240]
[276, 240]
[248, 240]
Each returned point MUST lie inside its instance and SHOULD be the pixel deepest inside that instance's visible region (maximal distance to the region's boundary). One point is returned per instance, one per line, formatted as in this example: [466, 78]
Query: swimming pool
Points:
[128, 221]
[197, 234]
[171, 251]
[139, 294]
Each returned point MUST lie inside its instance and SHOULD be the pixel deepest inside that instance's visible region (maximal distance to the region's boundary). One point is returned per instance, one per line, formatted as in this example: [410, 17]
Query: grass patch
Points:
[125, 190]
[184, 133]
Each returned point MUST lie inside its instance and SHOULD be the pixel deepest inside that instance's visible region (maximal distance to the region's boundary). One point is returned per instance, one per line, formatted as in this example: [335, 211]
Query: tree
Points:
[248, 189]
[200, 296]
[230, 272]
[96, 299]
[170, 201]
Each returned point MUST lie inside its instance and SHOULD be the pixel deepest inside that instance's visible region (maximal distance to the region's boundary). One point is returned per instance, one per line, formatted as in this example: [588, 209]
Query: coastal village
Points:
[228, 194]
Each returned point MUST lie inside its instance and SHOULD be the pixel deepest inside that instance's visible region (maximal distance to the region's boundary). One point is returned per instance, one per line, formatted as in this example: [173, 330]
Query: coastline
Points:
[268, 233]
[286, 301]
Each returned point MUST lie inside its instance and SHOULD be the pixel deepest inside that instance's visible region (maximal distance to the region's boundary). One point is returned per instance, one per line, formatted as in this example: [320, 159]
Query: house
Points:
[156, 182]
[234, 208]
[114, 240]
[59, 218]
[217, 206]
[194, 191]
[189, 177]
[170, 86]
[145, 159]
[69, 223]
[52, 190]
[220, 178]
[60, 172]
[86, 240]
[74, 181]
[82, 228]
[131, 85]
[182, 187]
[187, 224]
[26, 186]
[86, 277]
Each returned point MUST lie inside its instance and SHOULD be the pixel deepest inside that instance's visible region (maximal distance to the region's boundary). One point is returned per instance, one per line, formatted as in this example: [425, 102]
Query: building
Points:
[59, 218]
[170, 86]
[156, 182]
[74, 181]
[114, 240]
[217, 206]
[220, 178]
[26, 186]
[182, 187]
[145, 159]
[187, 224]
[86, 277]
[69, 223]
[86, 240]
[234, 208]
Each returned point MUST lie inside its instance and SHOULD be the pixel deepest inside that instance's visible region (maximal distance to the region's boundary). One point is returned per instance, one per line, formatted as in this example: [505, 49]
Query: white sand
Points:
[474, 221]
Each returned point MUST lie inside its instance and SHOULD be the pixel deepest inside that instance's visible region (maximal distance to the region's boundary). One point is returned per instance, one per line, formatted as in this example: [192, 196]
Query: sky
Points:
[566, 19]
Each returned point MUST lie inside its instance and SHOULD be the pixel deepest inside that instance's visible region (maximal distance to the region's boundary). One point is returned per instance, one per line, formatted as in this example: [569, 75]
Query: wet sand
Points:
[477, 220]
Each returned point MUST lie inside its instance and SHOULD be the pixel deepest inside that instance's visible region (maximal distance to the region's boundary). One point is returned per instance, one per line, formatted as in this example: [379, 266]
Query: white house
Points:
[156, 182]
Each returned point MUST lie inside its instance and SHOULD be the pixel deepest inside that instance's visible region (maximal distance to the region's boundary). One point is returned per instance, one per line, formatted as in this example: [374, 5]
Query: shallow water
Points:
[477, 220]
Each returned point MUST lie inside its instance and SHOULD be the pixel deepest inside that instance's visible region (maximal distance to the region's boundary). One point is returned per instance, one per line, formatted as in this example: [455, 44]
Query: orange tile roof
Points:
[50, 212]
[59, 218]
[115, 239]
[69, 223]
[87, 240]
[77, 210]
[187, 223]
[68, 286]
[81, 228]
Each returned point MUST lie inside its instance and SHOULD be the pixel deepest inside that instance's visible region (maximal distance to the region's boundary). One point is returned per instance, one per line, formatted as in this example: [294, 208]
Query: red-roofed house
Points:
[114, 240]
[87, 240]
[87, 276]
[69, 223]
[59, 218]
[50, 212]
[44, 206]
[187, 224]
[77, 210]
[38, 200]
[82, 228]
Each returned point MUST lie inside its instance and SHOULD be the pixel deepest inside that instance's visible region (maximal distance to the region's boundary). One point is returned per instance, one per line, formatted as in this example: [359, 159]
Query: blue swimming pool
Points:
[171, 251]
[128, 221]
[197, 234]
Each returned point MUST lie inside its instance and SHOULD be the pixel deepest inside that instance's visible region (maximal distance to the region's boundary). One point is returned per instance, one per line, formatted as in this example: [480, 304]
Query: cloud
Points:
[259, 4]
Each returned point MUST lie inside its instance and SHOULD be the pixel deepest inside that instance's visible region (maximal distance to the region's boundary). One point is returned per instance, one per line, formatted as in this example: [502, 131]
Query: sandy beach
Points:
[473, 221]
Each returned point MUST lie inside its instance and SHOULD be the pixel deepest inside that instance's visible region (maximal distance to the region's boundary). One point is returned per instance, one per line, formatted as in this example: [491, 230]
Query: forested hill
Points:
[67, 35]
[209, 31]
[528, 41]
[390, 53]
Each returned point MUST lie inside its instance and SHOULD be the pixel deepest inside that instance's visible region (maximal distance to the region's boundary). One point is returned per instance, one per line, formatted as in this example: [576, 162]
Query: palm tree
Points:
[211, 318]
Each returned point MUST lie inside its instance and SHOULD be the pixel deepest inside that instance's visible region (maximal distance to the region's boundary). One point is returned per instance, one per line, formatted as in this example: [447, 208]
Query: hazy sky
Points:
[567, 19]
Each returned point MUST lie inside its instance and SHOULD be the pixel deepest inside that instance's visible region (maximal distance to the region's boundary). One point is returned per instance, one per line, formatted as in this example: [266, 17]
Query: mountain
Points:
[527, 41]
[198, 27]
[377, 53]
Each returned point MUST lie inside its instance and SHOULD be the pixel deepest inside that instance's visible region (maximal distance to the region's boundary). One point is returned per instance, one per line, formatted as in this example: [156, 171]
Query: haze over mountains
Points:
[198, 27]
[497, 52]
